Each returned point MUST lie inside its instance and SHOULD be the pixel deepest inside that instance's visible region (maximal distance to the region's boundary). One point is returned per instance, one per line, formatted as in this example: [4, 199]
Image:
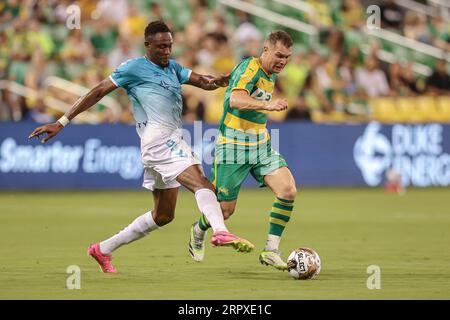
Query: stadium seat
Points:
[384, 110]
[318, 116]
[407, 110]
[332, 117]
[426, 107]
[278, 116]
[443, 105]
[337, 116]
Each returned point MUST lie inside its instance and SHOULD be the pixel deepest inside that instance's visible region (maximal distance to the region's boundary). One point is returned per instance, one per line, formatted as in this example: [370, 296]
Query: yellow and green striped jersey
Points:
[246, 127]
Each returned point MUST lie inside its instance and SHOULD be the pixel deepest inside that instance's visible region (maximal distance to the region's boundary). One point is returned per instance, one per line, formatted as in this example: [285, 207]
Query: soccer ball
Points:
[303, 263]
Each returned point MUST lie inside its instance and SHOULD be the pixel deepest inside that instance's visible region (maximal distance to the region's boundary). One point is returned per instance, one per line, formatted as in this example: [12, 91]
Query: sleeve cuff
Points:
[237, 88]
[188, 76]
[113, 81]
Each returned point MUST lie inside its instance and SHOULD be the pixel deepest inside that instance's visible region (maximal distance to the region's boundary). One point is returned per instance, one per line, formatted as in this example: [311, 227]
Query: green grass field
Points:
[42, 233]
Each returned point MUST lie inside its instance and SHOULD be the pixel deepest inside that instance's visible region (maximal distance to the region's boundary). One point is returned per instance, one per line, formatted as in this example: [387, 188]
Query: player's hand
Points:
[50, 129]
[277, 105]
[216, 82]
[223, 80]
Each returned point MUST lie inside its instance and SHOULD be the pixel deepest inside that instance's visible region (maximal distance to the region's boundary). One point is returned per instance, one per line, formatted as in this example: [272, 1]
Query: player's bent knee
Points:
[227, 212]
[289, 192]
[163, 219]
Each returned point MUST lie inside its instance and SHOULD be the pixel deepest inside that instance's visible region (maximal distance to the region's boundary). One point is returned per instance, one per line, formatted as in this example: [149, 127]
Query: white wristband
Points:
[64, 121]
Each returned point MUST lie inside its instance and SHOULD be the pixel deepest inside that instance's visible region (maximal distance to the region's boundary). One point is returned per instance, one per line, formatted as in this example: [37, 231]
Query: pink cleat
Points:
[226, 239]
[104, 260]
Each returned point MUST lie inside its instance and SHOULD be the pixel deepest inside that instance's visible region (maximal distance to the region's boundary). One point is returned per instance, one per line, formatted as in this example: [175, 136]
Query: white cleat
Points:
[272, 258]
[196, 244]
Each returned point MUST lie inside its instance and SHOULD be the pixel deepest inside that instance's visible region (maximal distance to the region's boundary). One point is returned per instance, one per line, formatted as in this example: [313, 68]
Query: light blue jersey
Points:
[154, 91]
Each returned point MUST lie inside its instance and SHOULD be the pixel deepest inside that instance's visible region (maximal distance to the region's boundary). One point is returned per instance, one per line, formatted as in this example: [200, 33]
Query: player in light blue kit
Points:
[153, 84]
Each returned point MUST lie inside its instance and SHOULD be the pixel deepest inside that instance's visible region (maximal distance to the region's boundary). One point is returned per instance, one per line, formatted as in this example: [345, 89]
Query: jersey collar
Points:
[163, 68]
[262, 68]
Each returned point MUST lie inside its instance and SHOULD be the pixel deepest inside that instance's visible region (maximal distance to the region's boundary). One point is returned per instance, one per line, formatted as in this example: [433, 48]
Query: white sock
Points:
[139, 228]
[272, 243]
[207, 203]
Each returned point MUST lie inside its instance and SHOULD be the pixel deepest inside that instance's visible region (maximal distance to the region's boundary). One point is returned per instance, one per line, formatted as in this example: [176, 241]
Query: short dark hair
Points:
[282, 36]
[155, 27]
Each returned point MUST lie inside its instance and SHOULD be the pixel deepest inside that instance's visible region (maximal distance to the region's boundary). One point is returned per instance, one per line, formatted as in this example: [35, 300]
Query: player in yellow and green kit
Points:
[243, 146]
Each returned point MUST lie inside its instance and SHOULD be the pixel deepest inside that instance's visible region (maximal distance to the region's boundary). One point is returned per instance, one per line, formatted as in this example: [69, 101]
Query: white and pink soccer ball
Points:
[304, 263]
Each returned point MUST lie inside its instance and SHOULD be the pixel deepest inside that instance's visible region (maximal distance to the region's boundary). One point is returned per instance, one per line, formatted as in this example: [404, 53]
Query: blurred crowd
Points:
[35, 43]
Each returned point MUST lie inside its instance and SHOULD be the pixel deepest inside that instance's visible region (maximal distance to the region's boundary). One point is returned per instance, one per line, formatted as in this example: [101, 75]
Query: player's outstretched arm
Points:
[208, 82]
[240, 99]
[82, 104]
